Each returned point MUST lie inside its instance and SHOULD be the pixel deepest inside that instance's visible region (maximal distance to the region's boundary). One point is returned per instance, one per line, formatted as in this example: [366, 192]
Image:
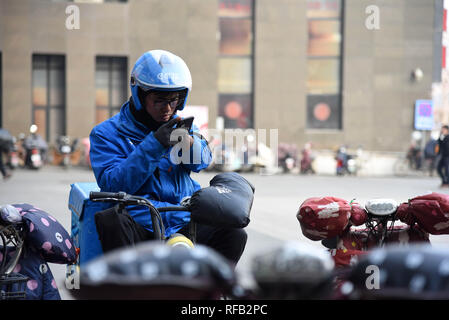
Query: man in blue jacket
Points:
[131, 152]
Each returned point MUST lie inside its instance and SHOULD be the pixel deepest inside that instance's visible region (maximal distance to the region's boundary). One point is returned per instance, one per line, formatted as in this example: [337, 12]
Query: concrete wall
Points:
[118, 29]
[280, 65]
[378, 95]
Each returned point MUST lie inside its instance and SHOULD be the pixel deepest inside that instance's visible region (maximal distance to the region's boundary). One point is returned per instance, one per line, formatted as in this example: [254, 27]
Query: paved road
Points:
[273, 220]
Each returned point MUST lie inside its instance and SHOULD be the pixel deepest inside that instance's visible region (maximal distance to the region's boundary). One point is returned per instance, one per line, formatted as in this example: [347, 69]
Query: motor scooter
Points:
[35, 149]
[66, 149]
[287, 157]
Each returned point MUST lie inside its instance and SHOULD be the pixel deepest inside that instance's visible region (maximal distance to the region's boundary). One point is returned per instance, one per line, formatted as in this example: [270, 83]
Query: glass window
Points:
[118, 83]
[55, 122]
[48, 95]
[56, 87]
[324, 64]
[235, 8]
[56, 62]
[235, 75]
[102, 63]
[235, 64]
[39, 87]
[324, 38]
[40, 119]
[235, 36]
[101, 88]
[111, 81]
[323, 8]
[236, 109]
[323, 76]
[323, 112]
[40, 61]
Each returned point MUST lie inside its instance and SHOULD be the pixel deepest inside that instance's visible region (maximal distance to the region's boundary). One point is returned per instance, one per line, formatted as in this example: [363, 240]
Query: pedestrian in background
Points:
[431, 153]
[443, 151]
[6, 143]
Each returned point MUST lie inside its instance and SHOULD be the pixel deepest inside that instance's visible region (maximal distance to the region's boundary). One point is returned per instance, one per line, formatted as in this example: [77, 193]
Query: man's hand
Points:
[185, 202]
[164, 132]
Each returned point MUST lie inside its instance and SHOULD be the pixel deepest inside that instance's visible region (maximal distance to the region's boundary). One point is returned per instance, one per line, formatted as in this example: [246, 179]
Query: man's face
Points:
[161, 106]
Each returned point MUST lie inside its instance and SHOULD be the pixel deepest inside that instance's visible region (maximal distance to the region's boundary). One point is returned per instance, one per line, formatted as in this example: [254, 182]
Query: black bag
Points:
[226, 203]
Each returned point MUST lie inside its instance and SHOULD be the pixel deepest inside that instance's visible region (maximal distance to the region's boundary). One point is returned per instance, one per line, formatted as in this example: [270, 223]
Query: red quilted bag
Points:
[322, 218]
[430, 212]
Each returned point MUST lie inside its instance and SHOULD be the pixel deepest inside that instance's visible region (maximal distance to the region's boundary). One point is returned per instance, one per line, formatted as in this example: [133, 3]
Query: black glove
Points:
[164, 132]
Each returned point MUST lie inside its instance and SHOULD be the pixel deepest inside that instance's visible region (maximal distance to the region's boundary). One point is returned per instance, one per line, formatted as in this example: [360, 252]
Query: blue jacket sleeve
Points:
[118, 170]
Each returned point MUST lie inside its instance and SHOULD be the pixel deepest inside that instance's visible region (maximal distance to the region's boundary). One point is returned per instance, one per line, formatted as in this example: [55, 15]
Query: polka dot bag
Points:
[47, 235]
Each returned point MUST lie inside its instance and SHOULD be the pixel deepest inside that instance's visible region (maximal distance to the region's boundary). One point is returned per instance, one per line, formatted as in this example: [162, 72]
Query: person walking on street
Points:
[6, 143]
[5, 173]
[443, 151]
[431, 154]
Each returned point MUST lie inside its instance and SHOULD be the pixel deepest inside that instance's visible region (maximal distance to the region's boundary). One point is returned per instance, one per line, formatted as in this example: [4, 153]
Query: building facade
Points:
[330, 72]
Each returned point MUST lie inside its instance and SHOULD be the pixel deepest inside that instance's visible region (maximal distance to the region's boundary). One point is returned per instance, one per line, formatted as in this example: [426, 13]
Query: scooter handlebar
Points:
[98, 195]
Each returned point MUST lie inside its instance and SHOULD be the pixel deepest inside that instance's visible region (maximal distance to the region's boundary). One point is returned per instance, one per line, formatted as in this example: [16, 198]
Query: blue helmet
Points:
[159, 70]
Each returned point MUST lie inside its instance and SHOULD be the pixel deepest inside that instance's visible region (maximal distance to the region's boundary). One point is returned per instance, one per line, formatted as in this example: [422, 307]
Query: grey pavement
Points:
[273, 216]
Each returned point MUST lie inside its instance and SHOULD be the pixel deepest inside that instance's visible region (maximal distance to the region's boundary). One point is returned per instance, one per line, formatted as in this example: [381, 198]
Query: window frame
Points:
[48, 87]
[339, 95]
[121, 61]
[222, 95]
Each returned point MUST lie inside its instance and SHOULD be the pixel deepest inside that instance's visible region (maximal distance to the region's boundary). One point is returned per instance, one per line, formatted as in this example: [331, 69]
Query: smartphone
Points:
[185, 123]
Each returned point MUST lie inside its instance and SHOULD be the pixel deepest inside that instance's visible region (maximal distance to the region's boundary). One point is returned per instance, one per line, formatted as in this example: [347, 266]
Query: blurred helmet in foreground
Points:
[398, 272]
[295, 270]
[152, 270]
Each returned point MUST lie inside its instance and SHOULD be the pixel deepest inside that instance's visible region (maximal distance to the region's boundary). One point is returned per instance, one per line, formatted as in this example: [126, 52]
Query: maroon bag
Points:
[430, 212]
[323, 218]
